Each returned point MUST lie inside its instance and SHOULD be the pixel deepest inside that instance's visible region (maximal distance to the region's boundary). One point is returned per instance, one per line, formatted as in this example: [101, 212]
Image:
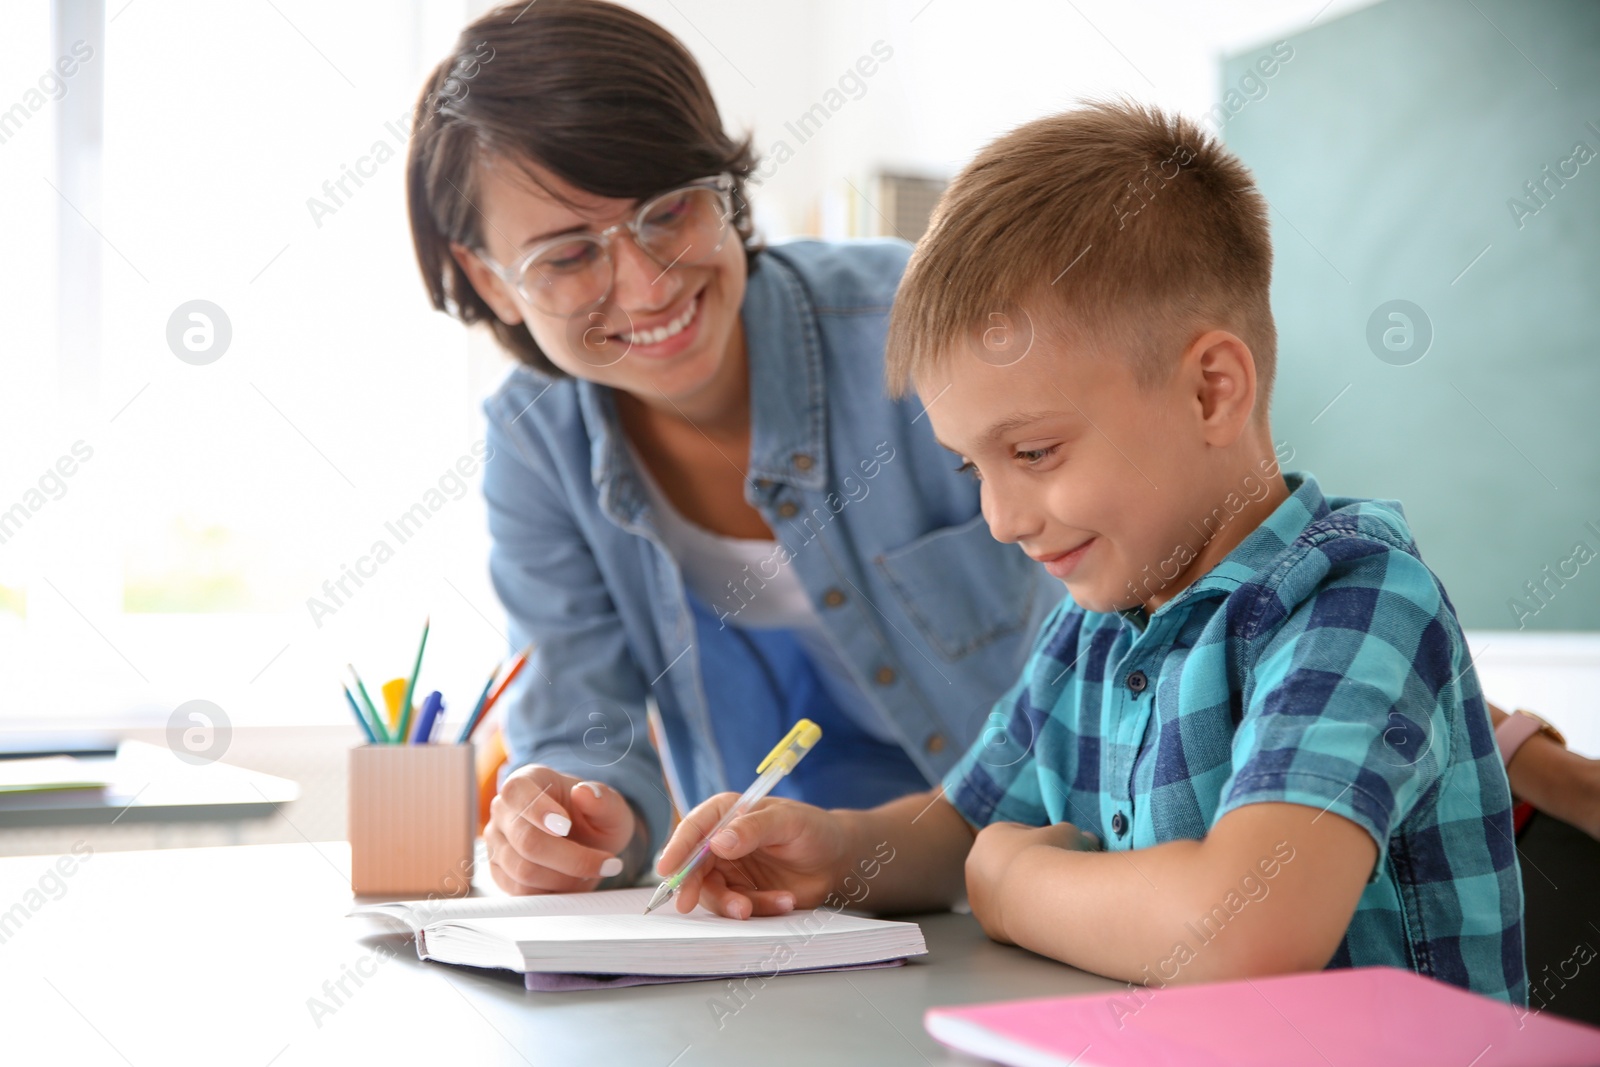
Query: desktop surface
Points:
[243, 956]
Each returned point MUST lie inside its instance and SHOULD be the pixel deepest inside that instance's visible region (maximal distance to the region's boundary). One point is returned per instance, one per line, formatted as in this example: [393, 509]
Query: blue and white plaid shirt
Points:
[1320, 663]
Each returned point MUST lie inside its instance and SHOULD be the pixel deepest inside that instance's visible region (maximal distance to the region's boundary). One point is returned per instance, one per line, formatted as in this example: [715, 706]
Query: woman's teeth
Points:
[661, 333]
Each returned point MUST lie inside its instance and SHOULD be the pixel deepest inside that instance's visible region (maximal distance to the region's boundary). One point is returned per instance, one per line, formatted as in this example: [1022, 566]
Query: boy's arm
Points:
[1271, 889]
[903, 856]
[930, 840]
[1350, 707]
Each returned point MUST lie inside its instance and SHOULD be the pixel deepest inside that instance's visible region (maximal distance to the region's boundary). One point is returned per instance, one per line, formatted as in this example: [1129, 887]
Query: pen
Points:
[432, 705]
[360, 718]
[411, 687]
[779, 762]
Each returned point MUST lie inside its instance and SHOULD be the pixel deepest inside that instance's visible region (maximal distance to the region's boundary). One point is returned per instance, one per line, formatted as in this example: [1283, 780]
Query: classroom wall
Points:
[960, 74]
[1397, 148]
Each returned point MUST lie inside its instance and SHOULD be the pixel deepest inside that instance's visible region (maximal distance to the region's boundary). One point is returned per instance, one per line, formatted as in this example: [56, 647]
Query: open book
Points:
[47, 774]
[608, 933]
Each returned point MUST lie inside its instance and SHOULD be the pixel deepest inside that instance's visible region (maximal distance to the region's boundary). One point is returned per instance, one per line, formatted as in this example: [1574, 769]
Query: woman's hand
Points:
[992, 852]
[778, 856]
[549, 832]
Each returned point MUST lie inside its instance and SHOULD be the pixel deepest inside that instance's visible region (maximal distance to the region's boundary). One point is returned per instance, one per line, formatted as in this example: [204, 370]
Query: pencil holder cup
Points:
[411, 820]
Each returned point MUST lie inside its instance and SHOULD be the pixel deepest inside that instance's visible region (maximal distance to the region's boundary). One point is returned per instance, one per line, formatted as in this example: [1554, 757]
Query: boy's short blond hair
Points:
[1116, 225]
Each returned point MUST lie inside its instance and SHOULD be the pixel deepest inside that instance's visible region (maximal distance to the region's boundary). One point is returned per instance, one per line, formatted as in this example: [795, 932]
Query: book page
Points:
[661, 925]
[416, 913]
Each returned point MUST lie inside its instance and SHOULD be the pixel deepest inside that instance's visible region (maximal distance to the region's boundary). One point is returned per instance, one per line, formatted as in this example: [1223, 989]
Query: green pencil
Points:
[379, 729]
[411, 687]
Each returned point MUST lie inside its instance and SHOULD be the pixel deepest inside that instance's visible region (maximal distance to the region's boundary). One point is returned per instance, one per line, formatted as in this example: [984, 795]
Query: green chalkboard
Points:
[1401, 147]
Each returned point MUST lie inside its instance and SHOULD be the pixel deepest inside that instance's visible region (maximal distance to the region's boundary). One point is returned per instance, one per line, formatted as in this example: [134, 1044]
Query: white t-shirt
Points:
[730, 575]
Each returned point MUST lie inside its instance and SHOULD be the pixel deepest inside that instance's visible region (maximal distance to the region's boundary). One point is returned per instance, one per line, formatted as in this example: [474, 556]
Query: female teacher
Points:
[698, 493]
[699, 496]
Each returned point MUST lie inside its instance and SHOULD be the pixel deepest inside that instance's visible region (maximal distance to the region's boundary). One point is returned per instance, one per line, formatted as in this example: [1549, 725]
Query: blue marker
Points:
[431, 707]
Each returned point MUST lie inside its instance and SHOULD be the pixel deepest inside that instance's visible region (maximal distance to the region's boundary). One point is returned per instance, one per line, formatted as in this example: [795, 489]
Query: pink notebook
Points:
[1366, 1016]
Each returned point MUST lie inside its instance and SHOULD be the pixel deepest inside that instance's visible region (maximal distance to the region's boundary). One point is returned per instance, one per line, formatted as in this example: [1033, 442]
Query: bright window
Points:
[180, 518]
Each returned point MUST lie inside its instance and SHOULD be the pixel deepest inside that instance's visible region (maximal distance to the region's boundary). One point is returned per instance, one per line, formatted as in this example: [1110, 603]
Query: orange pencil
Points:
[516, 668]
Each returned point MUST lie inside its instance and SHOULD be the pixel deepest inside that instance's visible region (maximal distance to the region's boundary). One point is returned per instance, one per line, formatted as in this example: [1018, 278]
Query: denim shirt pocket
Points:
[959, 617]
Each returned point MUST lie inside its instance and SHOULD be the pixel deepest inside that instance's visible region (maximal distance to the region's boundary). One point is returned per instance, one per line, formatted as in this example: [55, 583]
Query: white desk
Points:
[212, 956]
[149, 785]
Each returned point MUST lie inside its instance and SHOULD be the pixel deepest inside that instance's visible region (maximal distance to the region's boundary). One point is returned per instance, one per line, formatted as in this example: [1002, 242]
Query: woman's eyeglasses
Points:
[678, 228]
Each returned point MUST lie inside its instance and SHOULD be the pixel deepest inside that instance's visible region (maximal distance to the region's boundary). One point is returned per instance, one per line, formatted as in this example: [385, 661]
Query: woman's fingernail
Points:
[785, 902]
[595, 788]
[611, 867]
[725, 840]
[559, 825]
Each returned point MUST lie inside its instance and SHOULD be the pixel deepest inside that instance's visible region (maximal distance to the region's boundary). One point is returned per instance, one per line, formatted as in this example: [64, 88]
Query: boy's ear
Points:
[1222, 370]
[487, 283]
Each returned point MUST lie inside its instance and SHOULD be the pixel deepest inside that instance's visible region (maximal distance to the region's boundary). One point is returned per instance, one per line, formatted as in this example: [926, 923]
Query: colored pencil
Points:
[411, 687]
[361, 719]
[472, 717]
[511, 675]
[380, 731]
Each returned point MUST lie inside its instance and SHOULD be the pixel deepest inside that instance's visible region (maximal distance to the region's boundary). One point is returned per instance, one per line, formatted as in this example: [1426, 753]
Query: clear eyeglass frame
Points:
[537, 288]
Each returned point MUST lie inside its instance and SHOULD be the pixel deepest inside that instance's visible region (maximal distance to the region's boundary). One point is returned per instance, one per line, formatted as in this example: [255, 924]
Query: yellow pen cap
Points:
[796, 743]
[394, 694]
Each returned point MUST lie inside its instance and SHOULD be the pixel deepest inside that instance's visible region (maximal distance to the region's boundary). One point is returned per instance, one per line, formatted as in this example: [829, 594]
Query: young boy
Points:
[1251, 740]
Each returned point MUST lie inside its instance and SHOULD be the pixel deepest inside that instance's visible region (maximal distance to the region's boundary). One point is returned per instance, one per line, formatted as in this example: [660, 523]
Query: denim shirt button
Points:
[801, 461]
[935, 744]
[833, 598]
[884, 676]
[788, 509]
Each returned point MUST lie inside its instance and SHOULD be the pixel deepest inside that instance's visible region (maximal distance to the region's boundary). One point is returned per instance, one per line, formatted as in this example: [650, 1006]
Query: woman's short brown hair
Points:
[596, 94]
[1115, 223]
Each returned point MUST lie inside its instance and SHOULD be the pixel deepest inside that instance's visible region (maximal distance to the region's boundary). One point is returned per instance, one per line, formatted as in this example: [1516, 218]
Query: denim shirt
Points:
[934, 617]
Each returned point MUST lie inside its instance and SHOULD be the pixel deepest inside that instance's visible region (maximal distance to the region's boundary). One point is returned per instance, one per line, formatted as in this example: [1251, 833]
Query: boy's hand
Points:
[549, 832]
[996, 846]
[778, 856]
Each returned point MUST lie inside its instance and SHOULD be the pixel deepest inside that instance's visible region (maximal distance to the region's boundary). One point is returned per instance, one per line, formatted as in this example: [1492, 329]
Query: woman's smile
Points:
[671, 337]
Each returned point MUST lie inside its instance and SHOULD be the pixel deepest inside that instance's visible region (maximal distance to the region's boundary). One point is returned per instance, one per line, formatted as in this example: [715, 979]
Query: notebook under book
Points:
[1361, 1017]
[608, 934]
